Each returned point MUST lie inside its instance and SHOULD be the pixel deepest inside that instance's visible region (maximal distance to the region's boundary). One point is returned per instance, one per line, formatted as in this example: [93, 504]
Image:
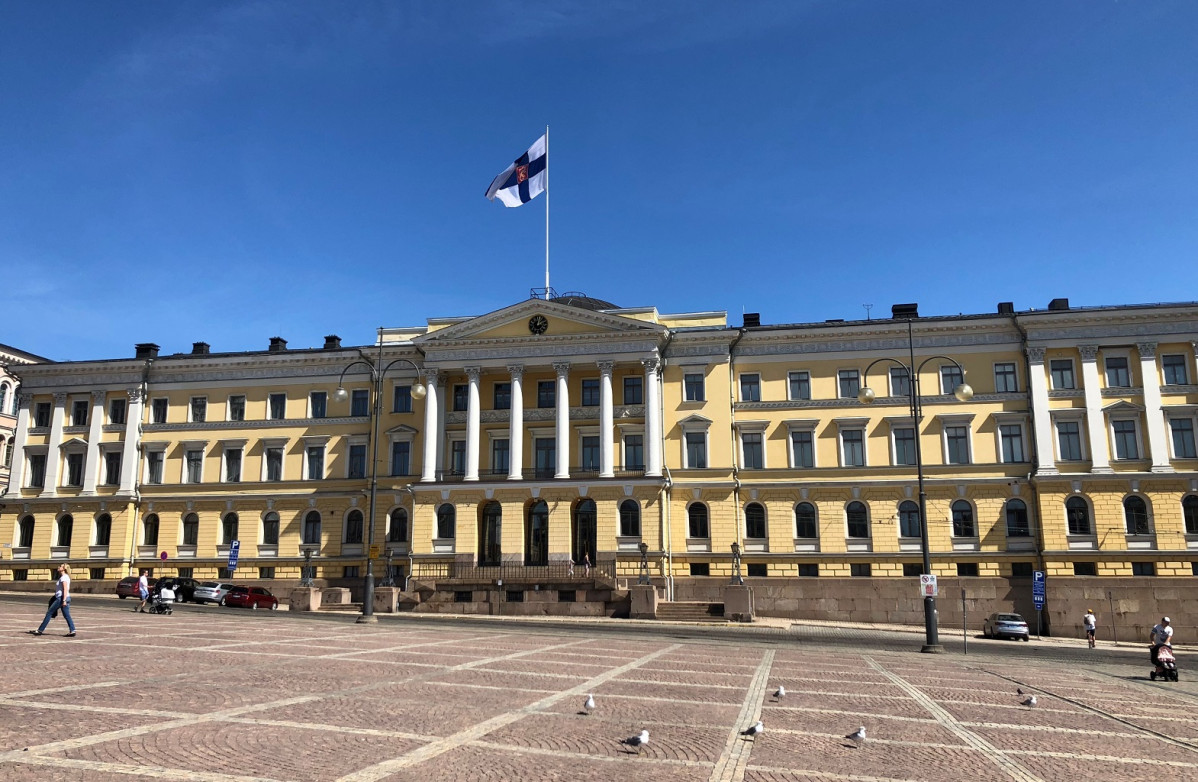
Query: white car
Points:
[212, 592]
[1000, 625]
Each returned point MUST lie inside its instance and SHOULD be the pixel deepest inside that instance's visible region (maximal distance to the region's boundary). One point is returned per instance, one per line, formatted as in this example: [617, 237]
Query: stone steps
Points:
[354, 608]
[691, 612]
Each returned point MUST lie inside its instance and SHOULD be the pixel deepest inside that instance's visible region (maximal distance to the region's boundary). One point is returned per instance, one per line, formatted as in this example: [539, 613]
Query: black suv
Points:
[184, 588]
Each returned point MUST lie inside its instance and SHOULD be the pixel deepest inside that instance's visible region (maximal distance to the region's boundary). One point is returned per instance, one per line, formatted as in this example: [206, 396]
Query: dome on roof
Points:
[583, 301]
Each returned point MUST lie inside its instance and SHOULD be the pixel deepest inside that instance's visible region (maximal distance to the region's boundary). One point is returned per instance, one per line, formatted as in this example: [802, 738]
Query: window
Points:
[103, 529]
[270, 529]
[1085, 568]
[1021, 569]
[41, 415]
[154, 461]
[112, 468]
[353, 527]
[750, 388]
[1174, 368]
[546, 393]
[26, 532]
[967, 569]
[318, 402]
[1061, 370]
[857, 519]
[191, 529]
[457, 457]
[3, 397]
[956, 440]
[277, 404]
[357, 460]
[158, 410]
[1143, 568]
[1069, 441]
[359, 403]
[237, 408]
[397, 531]
[692, 387]
[228, 528]
[852, 444]
[446, 517]
[401, 455]
[1183, 438]
[951, 376]
[315, 462]
[908, 513]
[1117, 375]
[149, 530]
[860, 569]
[66, 525]
[1189, 512]
[634, 452]
[116, 411]
[963, 523]
[590, 453]
[37, 470]
[809, 571]
[700, 569]
[696, 450]
[199, 408]
[912, 569]
[274, 463]
[502, 396]
[754, 520]
[800, 385]
[461, 397]
[805, 521]
[590, 392]
[8, 451]
[350, 571]
[1005, 379]
[401, 399]
[1011, 437]
[312, 528]
[79, 412]
[193, 461]
[802, 445]
[1017, 523]
[696, 516]
[849, 381]
[74, 469]
[1126, 443]
[900, 382]
[544, 457]
[904, 445]
[233, 465]
[1077, 516]
[634, 390]
[266, 572]
[1135, 513]
[757, 569]
[752, 448]
[630, 519]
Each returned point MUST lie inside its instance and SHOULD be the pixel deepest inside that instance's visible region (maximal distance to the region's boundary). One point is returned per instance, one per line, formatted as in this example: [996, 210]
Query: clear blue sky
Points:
[228, 172]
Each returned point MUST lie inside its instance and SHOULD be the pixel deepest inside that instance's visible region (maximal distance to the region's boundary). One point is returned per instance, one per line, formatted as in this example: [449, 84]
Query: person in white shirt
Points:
[143, 590]
[1091, 623]
[61, 602]
[1162, 635]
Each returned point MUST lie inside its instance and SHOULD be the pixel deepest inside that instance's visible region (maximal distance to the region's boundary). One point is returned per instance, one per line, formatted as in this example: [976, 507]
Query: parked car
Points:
[250, 597]
[211, 592]
[184, 588]
[127, 586]
[1000, 625]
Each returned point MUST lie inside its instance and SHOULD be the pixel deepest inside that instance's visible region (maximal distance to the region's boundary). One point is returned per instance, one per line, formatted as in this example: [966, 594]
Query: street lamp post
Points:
[377, 372]
[644, 577]
[736, 577]
[963, 393]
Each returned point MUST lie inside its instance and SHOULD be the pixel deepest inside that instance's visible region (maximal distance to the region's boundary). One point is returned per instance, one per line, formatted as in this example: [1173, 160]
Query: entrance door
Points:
[490, 525]
[584, 535]
[536, 535]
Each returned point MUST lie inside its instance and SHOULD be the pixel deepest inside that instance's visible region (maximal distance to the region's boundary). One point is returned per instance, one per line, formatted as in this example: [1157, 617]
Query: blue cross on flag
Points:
[524, 179]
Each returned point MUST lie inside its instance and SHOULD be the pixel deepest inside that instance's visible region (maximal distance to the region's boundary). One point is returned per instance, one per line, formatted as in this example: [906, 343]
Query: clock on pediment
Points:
[537, 324]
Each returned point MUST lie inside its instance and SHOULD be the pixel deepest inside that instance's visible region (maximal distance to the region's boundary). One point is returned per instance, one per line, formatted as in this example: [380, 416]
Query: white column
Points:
[444, 394]
[91, 470]
[1158, 441]
[132, 443]
[606, 418]
[53, 457]
[16, 475]
[562, 443]
[515, 443]
[473, 423]
[1041, 420]
[652, 418]
[428, 466]
[1100, 453]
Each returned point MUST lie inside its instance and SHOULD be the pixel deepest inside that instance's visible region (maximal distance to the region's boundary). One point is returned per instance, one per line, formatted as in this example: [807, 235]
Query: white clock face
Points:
[537, 324]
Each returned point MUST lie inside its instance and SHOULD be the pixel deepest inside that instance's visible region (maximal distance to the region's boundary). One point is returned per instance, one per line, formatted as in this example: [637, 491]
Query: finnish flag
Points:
[523, 180]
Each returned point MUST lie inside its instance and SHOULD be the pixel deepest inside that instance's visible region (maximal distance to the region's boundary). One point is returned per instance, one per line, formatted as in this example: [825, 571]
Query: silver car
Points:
[212, 592]
[1001, 625]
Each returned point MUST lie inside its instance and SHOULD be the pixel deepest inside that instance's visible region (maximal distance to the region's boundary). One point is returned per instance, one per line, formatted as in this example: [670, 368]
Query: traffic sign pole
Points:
[1039, 593]
[234, 550]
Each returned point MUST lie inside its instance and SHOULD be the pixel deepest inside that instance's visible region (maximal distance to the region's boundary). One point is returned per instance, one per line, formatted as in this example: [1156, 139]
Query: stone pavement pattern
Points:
[221, 695]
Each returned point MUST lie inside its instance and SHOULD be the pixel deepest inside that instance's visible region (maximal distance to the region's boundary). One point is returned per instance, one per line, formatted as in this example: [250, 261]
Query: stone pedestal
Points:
[386, 600]
[304, 599]
[738, 603]
[644, 602]
[335, 595]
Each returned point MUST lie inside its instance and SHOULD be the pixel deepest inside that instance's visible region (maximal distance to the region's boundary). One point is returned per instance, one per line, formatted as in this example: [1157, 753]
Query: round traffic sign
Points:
[162, 556]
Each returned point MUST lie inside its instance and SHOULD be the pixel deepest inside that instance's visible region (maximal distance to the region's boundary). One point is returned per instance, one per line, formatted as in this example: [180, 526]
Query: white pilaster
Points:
[562, 443]
[606, 419]
[1158, 442]
[652, 418]
[1100, 452]
[473, 423]
[53, 457]
[428, 465]
[443, 396]
[91, 469]
[515, 442]
[132, 443]
[16, 475]
[1041, 420]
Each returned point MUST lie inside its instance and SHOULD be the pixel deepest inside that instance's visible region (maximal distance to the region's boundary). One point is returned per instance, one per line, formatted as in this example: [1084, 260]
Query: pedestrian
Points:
[570, 568]
[61, 602]
[586, 565]
[1162, 635]
[1091, 623]
[143, 590]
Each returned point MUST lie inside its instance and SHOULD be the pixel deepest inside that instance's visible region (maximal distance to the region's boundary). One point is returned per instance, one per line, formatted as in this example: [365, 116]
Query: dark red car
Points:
[127, 586]
[251, 597]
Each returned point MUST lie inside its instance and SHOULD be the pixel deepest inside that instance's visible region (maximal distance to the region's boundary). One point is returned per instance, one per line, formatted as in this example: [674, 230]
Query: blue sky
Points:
[229, 172]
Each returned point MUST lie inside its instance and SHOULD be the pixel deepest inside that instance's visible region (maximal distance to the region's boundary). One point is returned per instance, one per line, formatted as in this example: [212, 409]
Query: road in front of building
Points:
[223, 694]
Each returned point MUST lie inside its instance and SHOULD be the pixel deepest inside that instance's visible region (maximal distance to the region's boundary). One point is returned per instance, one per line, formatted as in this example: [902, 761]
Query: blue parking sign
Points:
[234, 549]
[1039, 590]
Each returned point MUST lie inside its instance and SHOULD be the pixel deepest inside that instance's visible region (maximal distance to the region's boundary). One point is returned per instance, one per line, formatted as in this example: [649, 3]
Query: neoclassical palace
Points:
[566, 429]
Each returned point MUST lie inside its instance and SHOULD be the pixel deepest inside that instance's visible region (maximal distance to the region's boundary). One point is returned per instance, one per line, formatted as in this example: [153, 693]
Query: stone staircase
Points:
[690, 612]
[344, 608]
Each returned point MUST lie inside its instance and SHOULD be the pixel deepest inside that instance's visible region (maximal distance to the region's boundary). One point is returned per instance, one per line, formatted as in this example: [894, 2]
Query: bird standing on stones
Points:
[1019, 691]
[754, 730]
[589, 704]
[637, 742]
[781, 693]
[1030, 701]
[857, 737]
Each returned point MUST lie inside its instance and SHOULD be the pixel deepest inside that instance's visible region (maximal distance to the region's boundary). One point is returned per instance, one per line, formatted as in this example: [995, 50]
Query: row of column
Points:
[434, 421]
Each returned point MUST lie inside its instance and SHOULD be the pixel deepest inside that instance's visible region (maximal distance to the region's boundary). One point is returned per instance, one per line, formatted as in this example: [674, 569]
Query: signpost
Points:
[928, 586]
[234, 550]
[964, 622]
[1038, 594]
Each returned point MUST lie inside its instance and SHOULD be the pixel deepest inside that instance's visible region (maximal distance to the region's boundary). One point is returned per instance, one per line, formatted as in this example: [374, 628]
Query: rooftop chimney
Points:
[1058, 304]
[277, 344]
[1006, 308]
[199, 349]
[332, 342]
[145, 350]
[752, 319]
[904, 311]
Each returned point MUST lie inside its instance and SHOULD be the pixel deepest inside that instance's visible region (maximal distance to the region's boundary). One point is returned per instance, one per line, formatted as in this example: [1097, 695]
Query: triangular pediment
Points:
[538, 319]
[1123, 406]
[402, 429]
[72, 443]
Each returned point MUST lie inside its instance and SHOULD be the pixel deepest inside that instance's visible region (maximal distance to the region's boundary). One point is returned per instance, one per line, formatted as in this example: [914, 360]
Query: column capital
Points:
[516, 370]
[605, 367]
[1036, 355]
[474, 373]
[651, 363]
[434, 376]
[134, 395]
[60, 398]
[99, 394]
[1089, 352]
[562, 368]
[23, 400]
[1147, 349]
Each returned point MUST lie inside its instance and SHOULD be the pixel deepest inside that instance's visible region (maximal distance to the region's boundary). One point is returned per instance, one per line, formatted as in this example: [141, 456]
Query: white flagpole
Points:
[546, 211]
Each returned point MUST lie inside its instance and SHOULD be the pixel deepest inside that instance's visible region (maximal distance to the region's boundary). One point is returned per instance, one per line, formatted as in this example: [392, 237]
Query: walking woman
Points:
[61, 602]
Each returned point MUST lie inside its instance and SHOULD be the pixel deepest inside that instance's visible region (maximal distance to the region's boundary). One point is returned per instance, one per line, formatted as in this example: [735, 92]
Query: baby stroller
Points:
[162, 601]
[1166, 665]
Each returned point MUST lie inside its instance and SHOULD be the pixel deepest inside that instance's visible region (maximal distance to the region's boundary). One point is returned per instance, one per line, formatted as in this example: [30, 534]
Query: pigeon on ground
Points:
[754, 730]
[1030, 701]
[588, 705]
[781, 693]
[636, 742]
[857, 737]
[1019, 691]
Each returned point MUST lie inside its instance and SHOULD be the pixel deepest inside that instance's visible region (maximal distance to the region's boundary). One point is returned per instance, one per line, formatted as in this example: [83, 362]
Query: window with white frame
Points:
[117, 410]
[272, 461]
[755, 520]
[158, 408]
[964, 525]
[848, 383]
[359, 404]
[1018, 525]
[696, 517]
[1061, 372]
[750, 387]
[501, 395]
[900, 382]
[696, 450]
[1126, 437]
[198, 409]
[357, 460]
[1006, 380]
[155, 460]
[589, 444]
[277, 407]
[191, 529]
[590, 392]
[752, 450]
[1135, 513]
[1183, 438]
[852, 446]
[951, 376]
[800, 385]
[630, 519]
[1077, 516]
[41, 415]
[856, 520]
[908, 513]
[233, 458]
[37, 471]
[1173, 367]
[312, 528]
[1069, 441]
[401, 399]
[353, 527]
[956, 443]
[112, 468]
[1010, 438]
[460, 399]
[634, 451]
[903, 444]
[457, 457]
[74, 476]
[802, 444]
[397, 530]
[270, 529]
[236, 407]
[79, 412]
[693, 388]
[193, 465]
[401, 457]
[546, 393]
[318, 404]
[634, 390]
[1118, 374]
[806, 521]
[314, 461]
[501, 455]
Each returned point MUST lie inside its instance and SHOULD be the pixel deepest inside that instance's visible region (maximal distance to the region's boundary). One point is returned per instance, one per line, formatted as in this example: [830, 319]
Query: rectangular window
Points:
[401, 456]
[237, 408]
[158, 410]
[112, 468]
[750, 388]
[957, 442]
[233, 465]
[1021, 569]
[1011, 436]
[904, 445]
[315, 462]
[860, 569]
[1069, 440]
[350, 571]
[1143, 568]
[634, 390]
[757, 569]
[500, 456]
[692, 387]
[503, 396]
[274, 464]
[752, 448]
[809, 571]
[634, 452]
[700, 569]
[461, 397]
[74, 469]
[1174, 368]
[1062, 373]
[359, 404]
[912, 569]
[357, 460]
[802, 445]
[545, 456]
[154, 460]
[266, 572]
[590, 392]
[852, 442]
[116, 411]
[696, 450]
[1005, 379]
[319, 401]
[950, 377]
[1126, 446]
[96, 573]
[37, 471]
[1183, 438]
[401, 399]
[900, 382]
[79, 412]
[1117, 374]
[968, 569]
[457, 457]
[41, 415]
[278, 407]
[800, 385]
[546, 393]
[194, 463]
[199, 408]
[1085, 568]
[849, 381]
[590, 453]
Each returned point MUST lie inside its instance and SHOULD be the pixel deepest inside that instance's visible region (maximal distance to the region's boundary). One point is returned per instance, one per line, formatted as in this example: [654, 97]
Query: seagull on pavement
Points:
[637, 741]
[589, 704]
[754, 730]
[1030, 701]
[857, 737]
[781, 693]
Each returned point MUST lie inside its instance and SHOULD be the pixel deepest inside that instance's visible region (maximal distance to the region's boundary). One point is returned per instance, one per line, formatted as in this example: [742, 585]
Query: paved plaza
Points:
[221, 694]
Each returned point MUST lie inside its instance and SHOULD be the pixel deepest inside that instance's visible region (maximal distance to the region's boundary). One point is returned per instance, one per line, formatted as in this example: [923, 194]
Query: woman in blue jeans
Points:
[61, 602]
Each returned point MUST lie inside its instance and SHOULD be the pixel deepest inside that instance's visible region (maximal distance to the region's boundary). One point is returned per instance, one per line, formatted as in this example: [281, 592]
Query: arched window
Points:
[857, 518]
[536, 534]
[397, 532]
[8, 453]
[149, 530]
[1189, 511]
[754, 520]
[630, 519]
[26, 539]
[1017, 524]
[191, 529]
[66, 525]
[270, 529]
[1077, 516]
[353, 526]
[312, 528]
[585, 531]
[908, 519]
[805, 521]
[3, 397]
[490, 534]
[446, 521]
[1135, 511]
[103, 529]
[697, 516]
[229, 528]
[963, 525]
